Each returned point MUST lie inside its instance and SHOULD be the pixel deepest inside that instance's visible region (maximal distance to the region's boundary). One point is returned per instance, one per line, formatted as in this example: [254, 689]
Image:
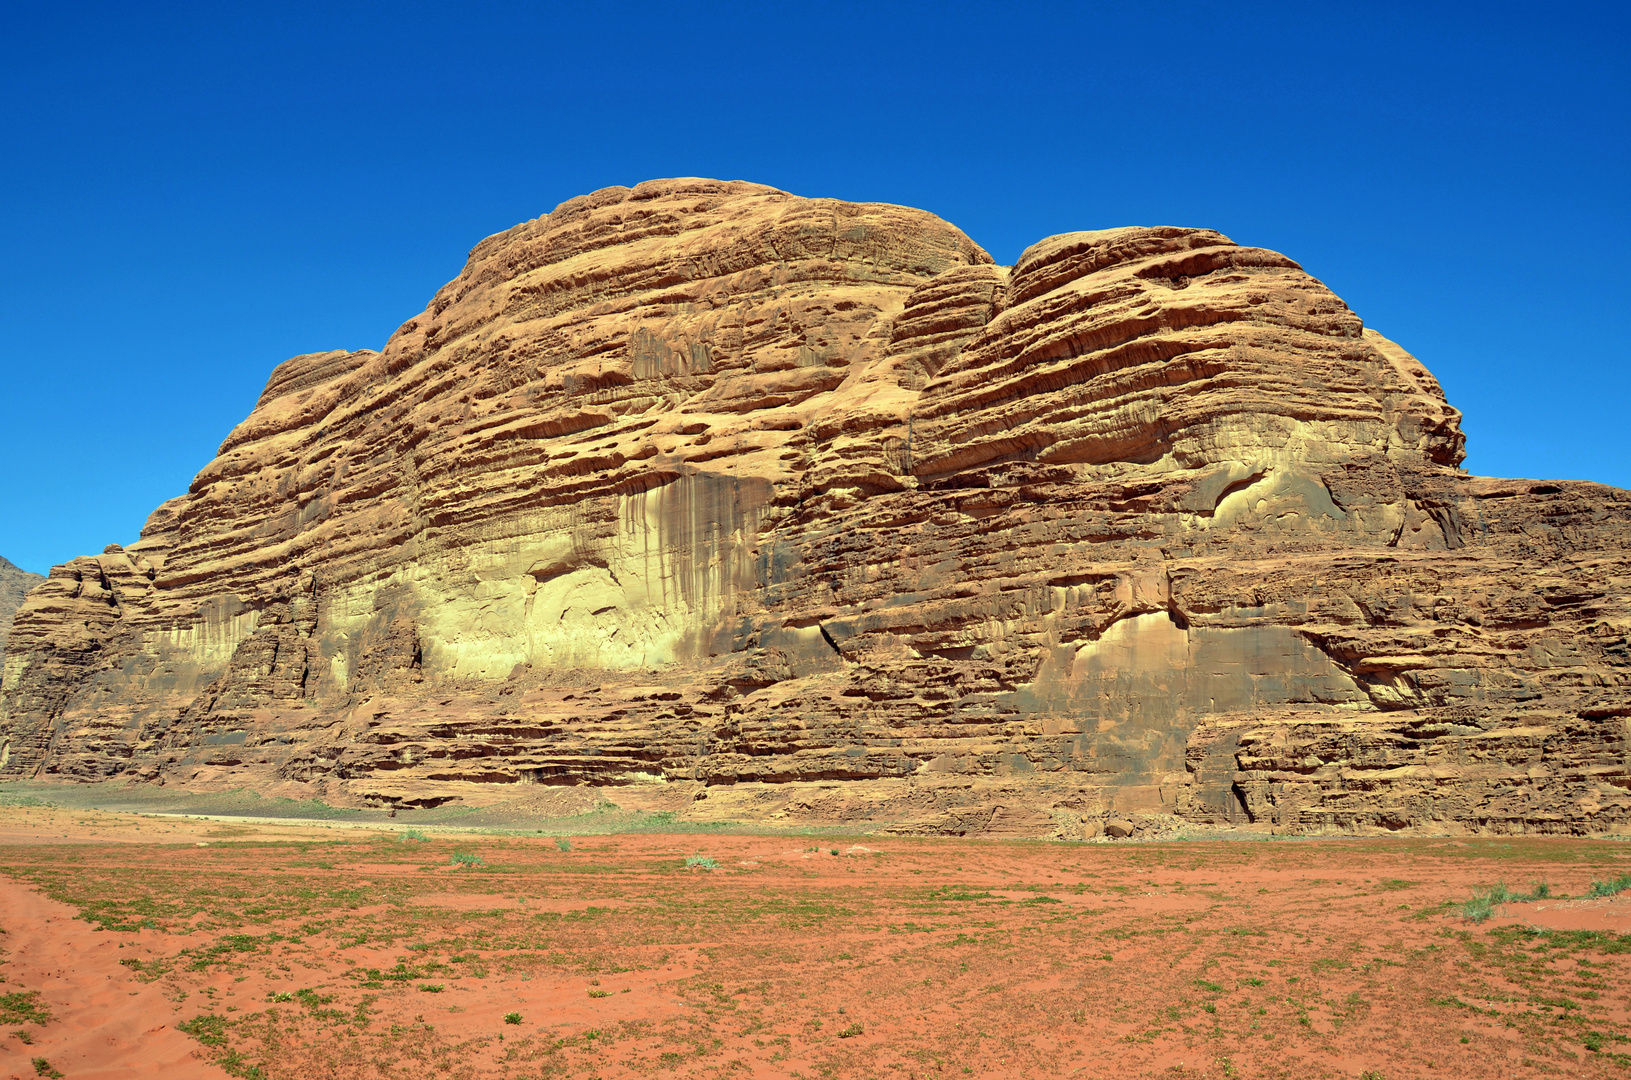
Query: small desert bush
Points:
[43, 1067]
[563, 843]
[705, 862]
[1611, 887]
[414, 834]
[512, 1018]
[1483, 904]
[464, 858]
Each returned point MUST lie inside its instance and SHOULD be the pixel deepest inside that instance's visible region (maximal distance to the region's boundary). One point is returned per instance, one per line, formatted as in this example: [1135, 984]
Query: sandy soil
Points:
[202, 948]
[105, 1025]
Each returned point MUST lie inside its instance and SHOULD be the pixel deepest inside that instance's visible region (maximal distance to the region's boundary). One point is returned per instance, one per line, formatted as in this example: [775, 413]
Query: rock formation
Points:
[802, 509]
[14, 585]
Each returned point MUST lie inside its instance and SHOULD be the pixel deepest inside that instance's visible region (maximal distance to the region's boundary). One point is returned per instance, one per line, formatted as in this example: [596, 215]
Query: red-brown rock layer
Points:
[700, 483]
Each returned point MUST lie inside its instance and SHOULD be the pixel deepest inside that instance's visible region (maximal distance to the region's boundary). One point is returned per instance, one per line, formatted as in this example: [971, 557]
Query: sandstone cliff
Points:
[703, 489]
[14, 585]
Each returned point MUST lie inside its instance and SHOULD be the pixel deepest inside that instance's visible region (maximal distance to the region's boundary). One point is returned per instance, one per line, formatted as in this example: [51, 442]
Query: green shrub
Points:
[1483, 904]
[563, 843]
[1478, 909]
[851, 1031]
[512, 1018]
[414, 834]
[465, 858]
[703, 861]
[43, 1067]
[1611, 887]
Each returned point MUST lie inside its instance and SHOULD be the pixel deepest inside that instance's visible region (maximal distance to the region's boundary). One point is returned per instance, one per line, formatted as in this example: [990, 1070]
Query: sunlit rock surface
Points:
[14, 585]
[763, 507]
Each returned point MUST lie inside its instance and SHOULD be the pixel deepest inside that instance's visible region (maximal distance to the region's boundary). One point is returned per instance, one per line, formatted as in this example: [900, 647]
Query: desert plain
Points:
[151, 944]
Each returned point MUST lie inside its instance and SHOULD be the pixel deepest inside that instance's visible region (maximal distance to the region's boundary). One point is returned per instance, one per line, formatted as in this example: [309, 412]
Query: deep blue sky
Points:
[188, 197]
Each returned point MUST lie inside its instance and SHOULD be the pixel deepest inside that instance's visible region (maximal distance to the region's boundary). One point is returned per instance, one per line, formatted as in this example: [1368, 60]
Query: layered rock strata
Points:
[703, 489]
[14, 585]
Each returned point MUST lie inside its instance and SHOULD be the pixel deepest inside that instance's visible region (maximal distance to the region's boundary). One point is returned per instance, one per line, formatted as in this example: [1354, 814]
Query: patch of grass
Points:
[703, 862]
[1612, 887]
[600, 993]
[147, 970]
[43, 1067]
[414, 834]
[464, 858]
[851, 1031]
[512, 1018]
[207, 1028]
[22, 1009]
[563, 843]
[223, 950]
[432, 988]
[1483, 904]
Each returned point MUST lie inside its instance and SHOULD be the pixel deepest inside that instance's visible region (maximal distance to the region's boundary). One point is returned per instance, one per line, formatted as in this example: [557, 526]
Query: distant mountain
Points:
[14, 584]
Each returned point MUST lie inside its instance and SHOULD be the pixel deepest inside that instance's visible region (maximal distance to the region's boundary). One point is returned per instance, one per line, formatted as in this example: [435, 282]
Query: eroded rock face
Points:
[14, 585]
[700, 488]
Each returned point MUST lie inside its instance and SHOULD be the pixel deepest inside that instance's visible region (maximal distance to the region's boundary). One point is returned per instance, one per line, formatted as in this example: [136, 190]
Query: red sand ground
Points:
[896, 958]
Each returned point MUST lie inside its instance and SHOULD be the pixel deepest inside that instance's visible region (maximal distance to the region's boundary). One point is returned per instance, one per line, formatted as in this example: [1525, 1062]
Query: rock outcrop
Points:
[14, 585]
[802, 509]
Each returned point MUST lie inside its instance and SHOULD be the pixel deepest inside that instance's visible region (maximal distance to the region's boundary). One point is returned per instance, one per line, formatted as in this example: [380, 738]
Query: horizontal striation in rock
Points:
[702, 487]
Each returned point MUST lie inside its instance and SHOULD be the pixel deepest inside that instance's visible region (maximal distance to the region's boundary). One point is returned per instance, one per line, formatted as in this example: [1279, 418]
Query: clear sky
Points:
[190, 195]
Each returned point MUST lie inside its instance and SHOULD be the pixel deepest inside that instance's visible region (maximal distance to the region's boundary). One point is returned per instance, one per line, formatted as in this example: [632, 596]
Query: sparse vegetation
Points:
[563, 843]
[1483, 904]
[23, 1008]
[1612, 887]
[43, 1067]
[414, 834]
[719, 960]
[207, 1028]
[464, 858]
